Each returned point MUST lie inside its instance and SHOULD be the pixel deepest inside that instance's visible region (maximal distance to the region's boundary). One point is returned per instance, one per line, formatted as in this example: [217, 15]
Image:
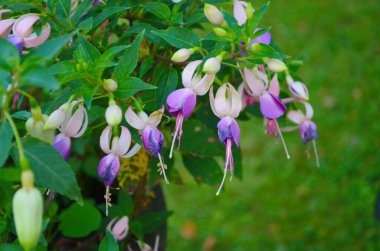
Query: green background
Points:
[292, 205]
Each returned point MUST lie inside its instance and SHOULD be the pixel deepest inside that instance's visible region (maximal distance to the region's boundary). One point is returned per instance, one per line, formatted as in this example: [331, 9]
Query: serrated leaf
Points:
[37, 75]
[108, 243]
[79, 221]
[257, 16]
[179, 37]
[203, 169]
[129, 86]
[6, 136]
[9, 56]
[128, 62]
[160, 10]
[90, 52]
[49, 168]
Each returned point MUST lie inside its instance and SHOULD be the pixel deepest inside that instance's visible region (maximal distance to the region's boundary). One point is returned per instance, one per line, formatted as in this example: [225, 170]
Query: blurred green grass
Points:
[292, 205]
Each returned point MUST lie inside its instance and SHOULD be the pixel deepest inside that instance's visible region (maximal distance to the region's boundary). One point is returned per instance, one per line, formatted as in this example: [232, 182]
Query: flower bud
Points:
[27, 212]
[182, 55]
[35, 128]
[57, 117]
[213, 14]
[249, 11]
[299, 90]
[113, 114]
[110, 85]
[276, 65]
[212, 65]
[220, 32]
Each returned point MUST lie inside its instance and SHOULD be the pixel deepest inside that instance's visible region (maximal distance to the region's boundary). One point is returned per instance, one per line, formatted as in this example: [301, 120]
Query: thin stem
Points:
[231, 65]
[24, 93]
[282, 140]
[23, 161]
[316, 153]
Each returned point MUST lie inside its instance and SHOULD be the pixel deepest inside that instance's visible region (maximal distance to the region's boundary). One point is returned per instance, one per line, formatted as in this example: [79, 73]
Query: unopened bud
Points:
[220, 32]
[276, 65]
[35, 128]
[113, 114]
[299, 90]
[182, 55]
[212, 65]
[213, 14]
[57, 117]
[255, 47]
[249, 11]
[27, 212]
[110, 85]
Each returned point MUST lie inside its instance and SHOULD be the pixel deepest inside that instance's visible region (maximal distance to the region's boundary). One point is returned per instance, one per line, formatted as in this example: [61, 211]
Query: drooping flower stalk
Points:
[152, 138]
[227, 105]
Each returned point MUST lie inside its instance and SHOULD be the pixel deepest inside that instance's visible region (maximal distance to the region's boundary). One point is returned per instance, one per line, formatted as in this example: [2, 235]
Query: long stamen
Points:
[157, 243]
[228, 150]
[316, 153]
[107, 197]
[178, 127]
[282, 140]
[224, 177]
[163, 168]
[229, 158]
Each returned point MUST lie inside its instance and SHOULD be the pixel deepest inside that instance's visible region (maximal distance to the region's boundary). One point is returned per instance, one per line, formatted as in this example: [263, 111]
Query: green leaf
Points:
[179, 37]
[128, 62]
[145, 66]
[103, 16]
[84, 6]
[257, 16]
[204, 170]
[110, 53]
[11, 247]
[152, 221]
[37, 75]
[199, 140]
[160, 10]
[129, 86]
[108, 243]
[125, 202]
[90, 51]
[11, 174]
[23, 115]
[6, 135]
[79, 221]
[9, 56]
[50, 48]
[166, 83]
[49, 169]
[63, 67]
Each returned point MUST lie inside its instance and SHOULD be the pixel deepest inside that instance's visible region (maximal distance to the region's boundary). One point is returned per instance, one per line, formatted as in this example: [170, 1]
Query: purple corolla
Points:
[74, 125]
[227, 105]
[152, 138]
[181, 102]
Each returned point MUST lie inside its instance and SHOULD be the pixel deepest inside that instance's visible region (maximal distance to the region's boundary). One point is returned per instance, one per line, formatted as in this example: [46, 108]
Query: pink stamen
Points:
[229, 163]
[15, 99]
[177, 133]
[316, 153]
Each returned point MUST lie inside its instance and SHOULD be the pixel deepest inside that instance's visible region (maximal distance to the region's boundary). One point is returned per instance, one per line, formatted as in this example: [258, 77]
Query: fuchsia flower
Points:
[257, 85]
[307, 128]
[74, 125]
[227, 105]
[181, 103]
[120, 228]
[152, 138]
[115, 147]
